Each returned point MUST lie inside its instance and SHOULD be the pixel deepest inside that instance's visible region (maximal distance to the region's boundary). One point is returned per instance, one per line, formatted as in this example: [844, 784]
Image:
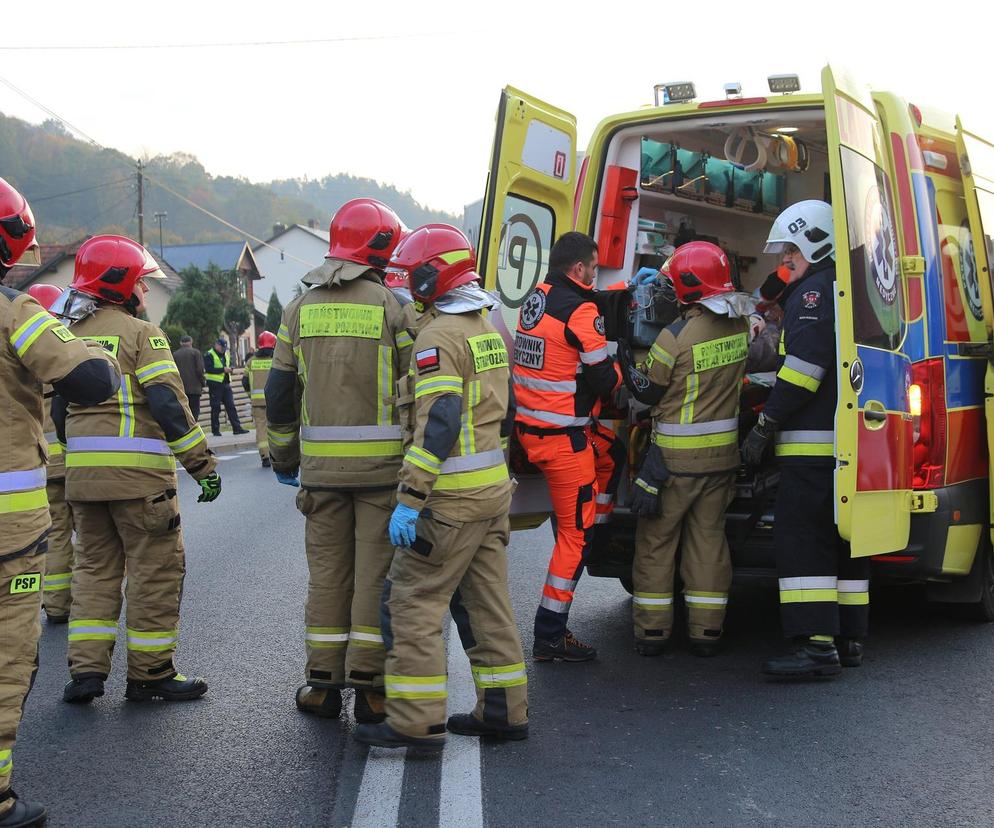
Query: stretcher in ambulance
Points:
[912, 192]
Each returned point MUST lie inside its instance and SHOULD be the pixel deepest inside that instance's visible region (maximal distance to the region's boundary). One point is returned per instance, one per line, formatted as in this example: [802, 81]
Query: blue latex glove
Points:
[402, 525]
[287, 479]
[645, 276]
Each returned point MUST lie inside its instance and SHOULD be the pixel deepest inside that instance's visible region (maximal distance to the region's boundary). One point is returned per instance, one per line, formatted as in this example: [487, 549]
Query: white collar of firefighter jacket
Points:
[732, 305]
[467, 298]
[335, 272]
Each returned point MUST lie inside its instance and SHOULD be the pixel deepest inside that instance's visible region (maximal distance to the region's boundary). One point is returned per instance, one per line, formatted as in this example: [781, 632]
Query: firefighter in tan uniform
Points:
[254, 382]
[34, 348]
[121, 481]
[56, 595]
[330, 405]
[451, 521]
[692, 379]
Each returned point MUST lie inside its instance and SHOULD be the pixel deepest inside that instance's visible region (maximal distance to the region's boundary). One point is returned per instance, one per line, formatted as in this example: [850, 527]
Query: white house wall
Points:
[284, 275]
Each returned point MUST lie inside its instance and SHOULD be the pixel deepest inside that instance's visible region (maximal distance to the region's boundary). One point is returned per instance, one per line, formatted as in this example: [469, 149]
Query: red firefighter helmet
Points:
[110, 267]
[17, 229]
[434, 259]
[267, 339]
[44, 294]
[699, 270]
[364, 231]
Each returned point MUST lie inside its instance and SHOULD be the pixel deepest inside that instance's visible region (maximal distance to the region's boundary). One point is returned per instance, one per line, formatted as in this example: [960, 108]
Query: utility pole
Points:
[159, 218]
[141, 204]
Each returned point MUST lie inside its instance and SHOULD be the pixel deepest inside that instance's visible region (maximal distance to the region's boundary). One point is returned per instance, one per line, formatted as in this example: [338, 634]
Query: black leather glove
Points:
[640, 386]
[649, 483]
[757, 441]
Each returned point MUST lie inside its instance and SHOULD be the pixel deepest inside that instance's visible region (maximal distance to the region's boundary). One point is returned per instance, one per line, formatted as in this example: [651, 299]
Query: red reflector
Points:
[894, 558]
[916, 113]
[732, 102]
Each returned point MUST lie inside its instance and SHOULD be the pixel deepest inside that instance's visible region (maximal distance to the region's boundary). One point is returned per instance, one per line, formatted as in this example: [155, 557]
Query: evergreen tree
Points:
[274, 313]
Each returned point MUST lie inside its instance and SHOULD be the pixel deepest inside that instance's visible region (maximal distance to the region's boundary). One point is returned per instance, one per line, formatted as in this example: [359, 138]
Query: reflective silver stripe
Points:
[600, 518]
[326, 636]
[700, 599]
[360, 636]
[350, 434]
[805, 437]
[162, 641]
[566, 386]
[854, 586]
[652, 602]
[560, 583]
[19, 481]
[697, 429]
[593, 357]
[553, 605]
[473, 462]
[809, 369]
[145, 445]
[92, 631]
[605, 498]
[554, 419]
[401, 687]
[825, 582]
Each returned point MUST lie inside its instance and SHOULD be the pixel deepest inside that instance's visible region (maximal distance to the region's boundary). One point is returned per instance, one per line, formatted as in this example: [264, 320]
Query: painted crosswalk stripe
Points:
[461, 796]
[379, 792]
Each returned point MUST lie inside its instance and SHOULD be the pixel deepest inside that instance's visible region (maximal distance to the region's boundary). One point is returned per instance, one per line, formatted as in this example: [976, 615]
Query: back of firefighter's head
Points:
[434, 259]
[113, 269]
[699, 270]
[17, 230]
[364, 231]
[803, 235]
[575, 254]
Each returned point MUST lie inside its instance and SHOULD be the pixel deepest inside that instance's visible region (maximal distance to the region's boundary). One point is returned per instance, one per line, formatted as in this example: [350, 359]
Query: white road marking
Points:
[223, 457]
[461, 797]
[378, 804]
[250, 451]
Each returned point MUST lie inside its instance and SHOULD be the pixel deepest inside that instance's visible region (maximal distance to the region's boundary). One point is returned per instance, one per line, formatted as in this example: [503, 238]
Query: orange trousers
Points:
[609, 462]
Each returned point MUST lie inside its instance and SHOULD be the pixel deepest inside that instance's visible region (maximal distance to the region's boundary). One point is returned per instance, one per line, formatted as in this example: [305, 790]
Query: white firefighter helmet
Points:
[809, 226]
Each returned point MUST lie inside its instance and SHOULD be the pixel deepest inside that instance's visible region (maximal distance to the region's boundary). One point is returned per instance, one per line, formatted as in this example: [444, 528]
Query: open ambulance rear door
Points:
[874, 437]
[976, 157]
[528, 205]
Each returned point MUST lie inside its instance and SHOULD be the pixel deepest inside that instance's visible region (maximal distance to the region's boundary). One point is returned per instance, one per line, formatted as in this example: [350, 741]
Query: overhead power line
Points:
[35, 200]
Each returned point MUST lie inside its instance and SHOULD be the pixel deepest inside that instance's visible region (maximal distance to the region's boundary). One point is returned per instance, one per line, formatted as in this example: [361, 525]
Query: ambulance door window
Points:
[878, 315]
[527, 232]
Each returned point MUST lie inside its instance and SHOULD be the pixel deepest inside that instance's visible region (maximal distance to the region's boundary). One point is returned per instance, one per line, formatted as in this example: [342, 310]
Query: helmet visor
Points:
[30, 257]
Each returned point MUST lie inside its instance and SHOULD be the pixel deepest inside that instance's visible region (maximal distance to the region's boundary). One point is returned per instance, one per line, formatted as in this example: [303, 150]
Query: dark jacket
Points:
[191, 369]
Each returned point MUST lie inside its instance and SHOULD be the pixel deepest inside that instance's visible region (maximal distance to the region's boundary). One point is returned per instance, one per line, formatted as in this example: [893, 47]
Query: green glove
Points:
[211, 486]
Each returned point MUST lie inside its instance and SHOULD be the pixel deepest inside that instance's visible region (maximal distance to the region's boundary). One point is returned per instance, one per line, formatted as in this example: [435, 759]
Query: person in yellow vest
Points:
[254, 382]
[34, 349]
[121, 481]
[217, 372]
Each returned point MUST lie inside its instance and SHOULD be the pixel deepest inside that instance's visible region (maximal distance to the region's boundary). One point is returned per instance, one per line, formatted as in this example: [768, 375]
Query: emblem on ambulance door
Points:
[856, 376]
[881, 246]
[968, 271]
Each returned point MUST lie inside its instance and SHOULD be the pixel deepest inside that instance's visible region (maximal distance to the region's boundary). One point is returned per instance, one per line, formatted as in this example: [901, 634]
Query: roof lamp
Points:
[676, 92]
[784, 84]
[733, 90]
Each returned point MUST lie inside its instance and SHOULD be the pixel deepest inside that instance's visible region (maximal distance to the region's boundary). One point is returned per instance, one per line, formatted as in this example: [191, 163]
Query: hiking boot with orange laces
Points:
[567, 648]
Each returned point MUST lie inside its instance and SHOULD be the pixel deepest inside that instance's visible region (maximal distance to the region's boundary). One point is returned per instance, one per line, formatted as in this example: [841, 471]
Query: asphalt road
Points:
[904, 740]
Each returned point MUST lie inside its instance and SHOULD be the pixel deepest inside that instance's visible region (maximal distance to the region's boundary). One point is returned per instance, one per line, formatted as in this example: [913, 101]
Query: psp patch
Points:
[811, 299]
[427, 361]
[599, 325]
[158, 343]
[22, 584]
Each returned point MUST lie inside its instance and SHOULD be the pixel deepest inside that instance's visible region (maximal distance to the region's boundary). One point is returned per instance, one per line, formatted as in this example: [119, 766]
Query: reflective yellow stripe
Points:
[384, 385]
[217, 375]
[55, 449]
[284, 334]
[513, 675]
[467, 436]
[438, 385]
[194, 437]
[854, 599]
[415, 687]
[363, 448]
[671, 441]
[278, 438]
[797, 378]
[689, 398]
[423, 459]
[805, 450]
[781, 348]
[125, 395]
[657, 352]
[804, 596]
[156, 369]
[119, 459]
[23, 501]
[472, 479]
[6, 762]
[404, 340]
[25, 336]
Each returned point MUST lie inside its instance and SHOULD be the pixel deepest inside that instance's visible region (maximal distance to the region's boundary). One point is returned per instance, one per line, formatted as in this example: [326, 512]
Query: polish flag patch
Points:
[427, 360]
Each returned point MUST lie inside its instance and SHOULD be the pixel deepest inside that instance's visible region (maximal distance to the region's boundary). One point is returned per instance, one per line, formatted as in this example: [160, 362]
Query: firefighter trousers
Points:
[823, 591]
[566, 458]
[348, 556]
[692, 520]
[141, 537]
[21, 574]
[261, 427]
[463, 567]
[609, 463]
[57, 595]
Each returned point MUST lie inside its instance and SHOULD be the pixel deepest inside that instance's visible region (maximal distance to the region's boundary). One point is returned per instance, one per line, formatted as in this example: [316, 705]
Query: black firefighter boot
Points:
[814, 657]
[850, 651]
[174, 688]
[325, 702]
[382, 735]
[24, 814]
[466, 724]
[567, 648]
[369, 706]
[84, 688]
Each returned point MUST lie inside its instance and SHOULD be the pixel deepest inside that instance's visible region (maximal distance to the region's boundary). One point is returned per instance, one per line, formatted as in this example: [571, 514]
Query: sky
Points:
[408, 94]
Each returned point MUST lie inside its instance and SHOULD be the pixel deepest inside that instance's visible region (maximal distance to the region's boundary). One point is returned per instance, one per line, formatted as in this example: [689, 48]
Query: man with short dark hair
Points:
[191, 371]
[217, 370]
[562, 369]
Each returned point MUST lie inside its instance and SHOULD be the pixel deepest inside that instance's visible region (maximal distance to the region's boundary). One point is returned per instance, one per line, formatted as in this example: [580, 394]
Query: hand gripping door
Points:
[976, 157]
[873, 426]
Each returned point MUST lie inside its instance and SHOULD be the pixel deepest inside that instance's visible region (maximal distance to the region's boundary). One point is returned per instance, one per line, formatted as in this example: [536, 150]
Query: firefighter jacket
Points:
[561, 364]
[455, 403]
[700, 361]
[255, 376]
[56, 451]
[127, 446]
[330, 394]
[214, 365]
[805, 395]
[37, 348]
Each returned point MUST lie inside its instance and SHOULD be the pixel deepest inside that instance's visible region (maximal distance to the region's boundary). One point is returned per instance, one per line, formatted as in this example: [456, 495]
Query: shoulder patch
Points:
[811, 298]
[529, 351]
[532, 310]
[159, 343]
[63, 333]
[488, 352]
[599, 325]
[427, 361]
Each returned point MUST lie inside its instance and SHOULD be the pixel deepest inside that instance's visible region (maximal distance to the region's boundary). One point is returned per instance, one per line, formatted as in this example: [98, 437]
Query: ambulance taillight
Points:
[927, 403]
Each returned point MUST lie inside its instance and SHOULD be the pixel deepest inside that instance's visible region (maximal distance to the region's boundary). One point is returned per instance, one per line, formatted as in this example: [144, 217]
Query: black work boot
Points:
[23, 815]
[810, 659]
[850, 651]
[651, 647]
[567, 648]
[265, 463]
[369, 707]
[55, 618]
[382, 735]
[84, 688]
[704, 649]
[325, 702]
[466, 724]
[175, 688]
